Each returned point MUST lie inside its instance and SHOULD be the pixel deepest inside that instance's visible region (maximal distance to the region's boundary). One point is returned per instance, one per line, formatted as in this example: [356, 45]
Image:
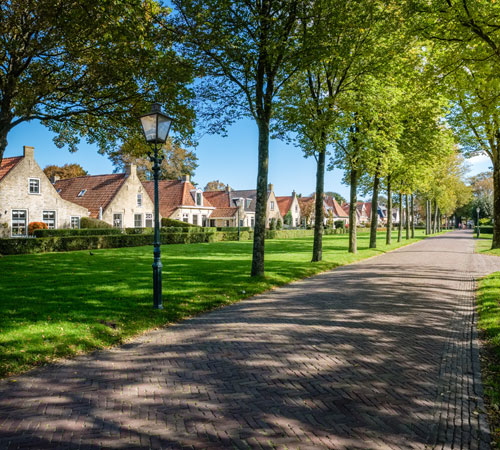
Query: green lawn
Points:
[60, 304]
[488, 305]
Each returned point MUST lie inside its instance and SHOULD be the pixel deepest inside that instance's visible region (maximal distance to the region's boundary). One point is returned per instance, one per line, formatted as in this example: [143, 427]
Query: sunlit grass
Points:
[60, 304]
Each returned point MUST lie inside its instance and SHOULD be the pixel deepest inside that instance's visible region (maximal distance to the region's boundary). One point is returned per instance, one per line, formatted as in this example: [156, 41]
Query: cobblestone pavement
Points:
[378, 354]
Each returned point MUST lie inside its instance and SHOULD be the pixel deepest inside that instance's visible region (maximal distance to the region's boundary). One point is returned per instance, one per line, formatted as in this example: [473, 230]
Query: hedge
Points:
[485, 229]
[76, 232]
[89, 222]
[166, 222]
[63, 242]
[234, 229]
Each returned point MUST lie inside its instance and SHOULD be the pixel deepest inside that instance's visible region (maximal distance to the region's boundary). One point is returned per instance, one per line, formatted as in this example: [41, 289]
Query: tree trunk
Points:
[407, 214]
[440, 219]
[352, 211]
[374, 214]
[261, 201]
[3, 141]
[427, 217]
[388, 238]
[319, 213]
[400, 225]
[496, 205]
[412, 216]
[434, 227]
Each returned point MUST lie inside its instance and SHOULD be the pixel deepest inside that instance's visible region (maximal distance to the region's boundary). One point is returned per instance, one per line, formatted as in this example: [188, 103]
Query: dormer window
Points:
[82, 193]
[34, 186]
[248, 202]
[199, 199]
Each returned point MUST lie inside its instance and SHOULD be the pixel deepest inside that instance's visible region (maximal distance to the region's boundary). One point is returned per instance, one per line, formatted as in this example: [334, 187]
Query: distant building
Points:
[290, 204]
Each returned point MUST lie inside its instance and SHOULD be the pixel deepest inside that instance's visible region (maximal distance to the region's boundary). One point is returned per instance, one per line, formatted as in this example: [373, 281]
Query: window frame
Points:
[55, 218]
[139, 199]
[121, 220]
[30, 179]
[135, 220]
[71, 222]
[146, 220]
[25, 223]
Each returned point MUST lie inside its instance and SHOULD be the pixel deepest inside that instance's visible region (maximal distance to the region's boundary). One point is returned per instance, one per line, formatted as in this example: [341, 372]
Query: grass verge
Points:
[58, 305]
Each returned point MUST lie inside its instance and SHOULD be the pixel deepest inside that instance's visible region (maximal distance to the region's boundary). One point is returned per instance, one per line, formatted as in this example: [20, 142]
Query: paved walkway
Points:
[379, 354]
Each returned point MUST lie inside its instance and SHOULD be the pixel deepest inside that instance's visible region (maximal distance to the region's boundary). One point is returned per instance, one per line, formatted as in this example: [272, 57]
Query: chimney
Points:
[54, 178]
[228, 188]
[294, 194]
[186, 178]
[131, 169]
[29, 152]
[270, 187]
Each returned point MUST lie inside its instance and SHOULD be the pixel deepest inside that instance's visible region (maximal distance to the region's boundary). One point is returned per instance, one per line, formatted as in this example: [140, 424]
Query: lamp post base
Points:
[157, 287]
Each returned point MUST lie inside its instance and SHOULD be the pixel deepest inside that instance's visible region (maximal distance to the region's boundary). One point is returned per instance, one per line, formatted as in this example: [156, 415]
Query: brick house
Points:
[290, 204]
[334, 211]
[181, 200]
[27, 195]
[119, 199]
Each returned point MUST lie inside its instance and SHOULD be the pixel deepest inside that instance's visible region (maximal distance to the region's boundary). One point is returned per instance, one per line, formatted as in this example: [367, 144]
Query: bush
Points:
[77, 232]
[166, 222]
[485, 221]
[32, 226]
[485, 230]
[339, 224]
[233, 229]
[272, 224]
[279, 224]
[89, 222]
[139, 230]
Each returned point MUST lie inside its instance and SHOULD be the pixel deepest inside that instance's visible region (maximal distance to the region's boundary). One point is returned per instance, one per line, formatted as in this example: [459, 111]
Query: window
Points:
[49, 217]
[249, 201]
[149, 221]
[117, 220]
[34, 186]
[75, 222]
[195, 219]
[227, 223]
[212, 222]
[19, 220]
[203, 221]
[82, 193]
[296, 208]
[139, 199]
[138, 220]
[241, 223]
[185, 218]
[272, 206]
[252, 222]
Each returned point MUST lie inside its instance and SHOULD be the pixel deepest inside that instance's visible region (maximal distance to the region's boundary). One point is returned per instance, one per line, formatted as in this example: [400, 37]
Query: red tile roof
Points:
[173, 194]
[338, 210]
[219, 199]
[221, 213]
[8, 164]
[100, 190]
[284, 204]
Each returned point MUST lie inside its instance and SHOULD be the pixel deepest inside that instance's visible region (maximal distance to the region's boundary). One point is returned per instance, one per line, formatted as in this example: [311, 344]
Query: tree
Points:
[177, 161]
[288, 219]
[66, 171]
[467, 53]
[215, 185]
[246, 52]
[85, 68]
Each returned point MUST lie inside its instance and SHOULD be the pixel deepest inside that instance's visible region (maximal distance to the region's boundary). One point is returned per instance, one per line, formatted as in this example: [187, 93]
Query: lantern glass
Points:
[149, 127]
[163, 127]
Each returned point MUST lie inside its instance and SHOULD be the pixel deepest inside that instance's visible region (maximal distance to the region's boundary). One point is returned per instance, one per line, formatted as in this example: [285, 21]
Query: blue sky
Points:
[231, 159]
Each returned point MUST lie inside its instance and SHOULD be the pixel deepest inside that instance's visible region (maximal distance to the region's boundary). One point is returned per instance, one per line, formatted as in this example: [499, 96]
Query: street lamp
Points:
[156, 126]
[477, 210]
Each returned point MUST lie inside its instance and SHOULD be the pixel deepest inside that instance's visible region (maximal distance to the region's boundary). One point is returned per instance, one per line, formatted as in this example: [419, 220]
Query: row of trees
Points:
[375, 88]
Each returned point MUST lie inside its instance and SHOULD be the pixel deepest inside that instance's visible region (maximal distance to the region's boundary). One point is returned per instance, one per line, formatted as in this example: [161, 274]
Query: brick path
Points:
[379, 354]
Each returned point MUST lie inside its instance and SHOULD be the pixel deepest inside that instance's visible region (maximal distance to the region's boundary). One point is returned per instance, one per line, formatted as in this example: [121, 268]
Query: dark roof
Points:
[100, 190]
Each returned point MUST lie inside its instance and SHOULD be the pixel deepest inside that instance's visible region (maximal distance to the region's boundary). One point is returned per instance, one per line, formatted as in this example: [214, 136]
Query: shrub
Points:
[272, 224]
[339, 224]
[32, 226]
[166, 222]
[279, 224]
[139, 230]
[233, 229]
[485, 230]
[77, 232]
[90, 222]
[485, 221]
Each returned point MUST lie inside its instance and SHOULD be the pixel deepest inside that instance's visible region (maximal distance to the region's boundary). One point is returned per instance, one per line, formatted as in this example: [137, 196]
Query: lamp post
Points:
[156, 126]
[477, 210]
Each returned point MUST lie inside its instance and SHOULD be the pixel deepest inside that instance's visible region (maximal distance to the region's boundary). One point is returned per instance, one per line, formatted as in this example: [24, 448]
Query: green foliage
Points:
[77, 232]
[288, 219]
[166, 222]
[279, 224]
[89, 222]
[339, 224]
[272, 224]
